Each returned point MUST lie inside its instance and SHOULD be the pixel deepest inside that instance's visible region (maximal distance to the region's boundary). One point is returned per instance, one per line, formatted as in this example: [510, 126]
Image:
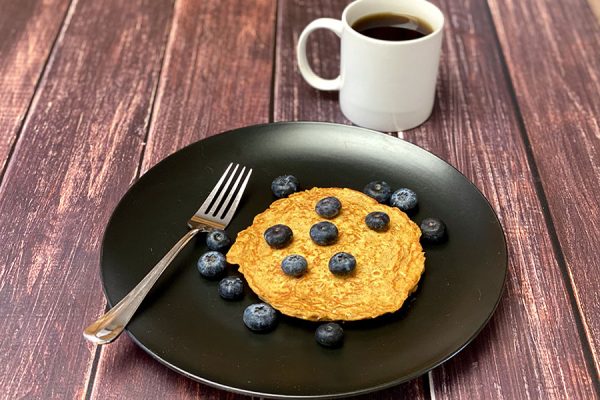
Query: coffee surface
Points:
[392, 27]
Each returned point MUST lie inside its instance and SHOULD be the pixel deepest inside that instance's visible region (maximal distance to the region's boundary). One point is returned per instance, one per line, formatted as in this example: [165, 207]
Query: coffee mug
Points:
[384, 85]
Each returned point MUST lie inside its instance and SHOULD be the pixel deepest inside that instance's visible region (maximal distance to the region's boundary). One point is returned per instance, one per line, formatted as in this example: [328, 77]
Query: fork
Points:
[215, 213]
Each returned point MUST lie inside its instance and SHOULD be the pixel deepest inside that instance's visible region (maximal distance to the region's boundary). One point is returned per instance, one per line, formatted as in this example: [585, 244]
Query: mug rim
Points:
[435, 32]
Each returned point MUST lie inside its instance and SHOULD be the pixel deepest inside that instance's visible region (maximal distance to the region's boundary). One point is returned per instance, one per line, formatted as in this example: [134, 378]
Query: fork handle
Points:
[109, 326]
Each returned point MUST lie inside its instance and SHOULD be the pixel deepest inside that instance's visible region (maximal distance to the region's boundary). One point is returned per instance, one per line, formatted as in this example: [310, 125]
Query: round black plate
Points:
[184, 323]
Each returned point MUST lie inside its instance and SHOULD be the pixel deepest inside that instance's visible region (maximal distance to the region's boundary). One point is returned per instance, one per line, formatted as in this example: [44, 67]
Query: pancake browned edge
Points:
[388, 264]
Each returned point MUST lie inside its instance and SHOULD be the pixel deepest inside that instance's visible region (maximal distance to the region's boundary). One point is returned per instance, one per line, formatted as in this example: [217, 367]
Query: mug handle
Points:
[308, 74]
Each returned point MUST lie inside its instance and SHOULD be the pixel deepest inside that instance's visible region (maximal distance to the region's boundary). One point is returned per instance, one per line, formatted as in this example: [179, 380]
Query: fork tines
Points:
[223, 200]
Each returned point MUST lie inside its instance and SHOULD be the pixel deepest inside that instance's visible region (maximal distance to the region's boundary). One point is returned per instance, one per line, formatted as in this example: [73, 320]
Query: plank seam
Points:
[271, 117]
[35, 96]
[96, 361]
[155, 90]
[94, 369]
[428, 386]
[549, 221]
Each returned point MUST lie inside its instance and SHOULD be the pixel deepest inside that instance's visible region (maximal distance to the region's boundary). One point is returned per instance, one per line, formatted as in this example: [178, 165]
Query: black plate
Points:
[184, 323]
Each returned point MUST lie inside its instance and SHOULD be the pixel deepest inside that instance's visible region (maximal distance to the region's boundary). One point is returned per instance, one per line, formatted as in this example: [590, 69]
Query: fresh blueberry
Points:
[260, 317]
[324, 233]
[342, 263]
[433, 230]
[211, 264]
[405, 199]
[329, 207]
[378, 221]
[231, 288]
[330, 335]
[284, 185]
[379, 190]
[278, 236]
[217, 240]
[294, 265]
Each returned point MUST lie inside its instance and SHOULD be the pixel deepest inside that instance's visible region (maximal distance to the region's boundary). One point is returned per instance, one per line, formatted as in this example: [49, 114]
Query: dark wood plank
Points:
[217, 73]
[77, 154]
[136, 375]
[295, 100]
[27, 31]
[216, 76]
[300, 102]
[557, 83]
[531, 348]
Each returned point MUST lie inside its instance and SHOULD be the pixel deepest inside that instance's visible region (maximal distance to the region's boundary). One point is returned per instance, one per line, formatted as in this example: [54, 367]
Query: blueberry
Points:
[278, 236]
[260, 317]
[211, 264]
[294, 265]
[231, 288]
[329, 207]
[330, 335]
[342, 263]
[433, 230]
[379, 190]
[284, 185]
[324, 233]
[217, 240]
[405, 199]
[378, 221]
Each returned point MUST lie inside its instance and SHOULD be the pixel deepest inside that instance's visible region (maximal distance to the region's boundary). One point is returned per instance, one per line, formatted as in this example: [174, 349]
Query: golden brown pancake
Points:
[388, 264]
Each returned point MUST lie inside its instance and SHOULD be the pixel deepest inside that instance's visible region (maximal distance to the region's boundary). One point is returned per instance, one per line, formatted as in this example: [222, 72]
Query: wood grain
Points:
[126, 372]
[295, 100]
[531, 348]
[217, 73]
[27, 31]
[557, 82]
[77, 154]
[216, 76]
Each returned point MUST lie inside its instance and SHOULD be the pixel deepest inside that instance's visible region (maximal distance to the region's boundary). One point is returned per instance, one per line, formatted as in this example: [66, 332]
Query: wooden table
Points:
[93, 93]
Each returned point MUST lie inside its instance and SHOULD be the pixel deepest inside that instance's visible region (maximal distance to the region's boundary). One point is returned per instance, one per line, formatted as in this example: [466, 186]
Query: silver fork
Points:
[212, 215]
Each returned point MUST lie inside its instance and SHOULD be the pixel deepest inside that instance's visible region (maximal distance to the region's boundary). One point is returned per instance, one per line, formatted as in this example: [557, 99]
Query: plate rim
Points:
[366, 390]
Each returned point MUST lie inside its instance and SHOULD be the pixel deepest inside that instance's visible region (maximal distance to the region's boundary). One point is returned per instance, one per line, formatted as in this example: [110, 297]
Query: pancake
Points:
[388, 264]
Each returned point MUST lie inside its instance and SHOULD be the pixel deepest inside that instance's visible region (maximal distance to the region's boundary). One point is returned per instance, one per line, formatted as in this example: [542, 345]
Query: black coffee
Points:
[392, 27]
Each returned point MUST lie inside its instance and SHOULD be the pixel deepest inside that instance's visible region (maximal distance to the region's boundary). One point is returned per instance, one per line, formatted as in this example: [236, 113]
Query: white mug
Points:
[384, 85]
